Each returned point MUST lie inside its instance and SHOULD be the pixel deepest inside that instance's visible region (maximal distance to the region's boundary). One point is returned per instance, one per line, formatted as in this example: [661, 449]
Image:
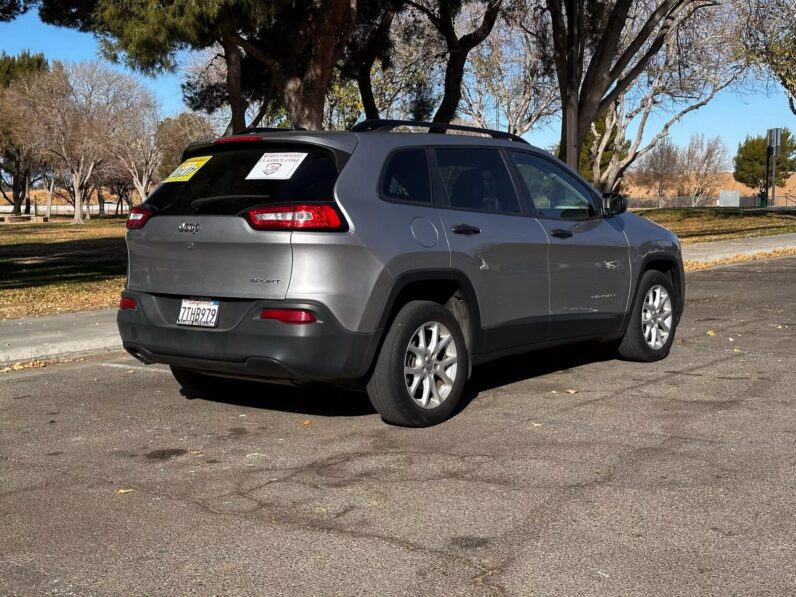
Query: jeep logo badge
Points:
[188, 227]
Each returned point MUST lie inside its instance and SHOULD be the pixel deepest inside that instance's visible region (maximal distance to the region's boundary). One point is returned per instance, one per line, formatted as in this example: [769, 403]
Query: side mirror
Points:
[614, 204]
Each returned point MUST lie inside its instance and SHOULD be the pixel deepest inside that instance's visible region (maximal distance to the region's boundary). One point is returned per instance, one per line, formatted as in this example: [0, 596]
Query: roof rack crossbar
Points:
[379, 124]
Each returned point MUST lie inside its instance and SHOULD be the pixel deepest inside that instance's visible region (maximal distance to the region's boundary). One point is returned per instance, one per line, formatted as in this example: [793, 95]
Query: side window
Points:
[554, 191]
[477, 179]
[406, 177]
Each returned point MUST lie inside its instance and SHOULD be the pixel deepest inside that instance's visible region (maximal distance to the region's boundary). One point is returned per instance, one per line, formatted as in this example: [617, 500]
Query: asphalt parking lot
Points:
[676, 478]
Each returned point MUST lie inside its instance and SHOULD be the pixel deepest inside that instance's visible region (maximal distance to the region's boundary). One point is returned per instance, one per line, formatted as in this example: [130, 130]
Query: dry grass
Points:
[59, 268]
[695, 266]
[694, 225]
[61, 231]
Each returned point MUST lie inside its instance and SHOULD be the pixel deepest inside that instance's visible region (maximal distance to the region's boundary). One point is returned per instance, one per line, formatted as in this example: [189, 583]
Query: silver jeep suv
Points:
[391, 260]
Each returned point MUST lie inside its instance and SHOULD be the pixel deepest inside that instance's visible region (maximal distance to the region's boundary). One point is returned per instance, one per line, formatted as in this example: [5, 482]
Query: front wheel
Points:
[421, 370]
[653, 320]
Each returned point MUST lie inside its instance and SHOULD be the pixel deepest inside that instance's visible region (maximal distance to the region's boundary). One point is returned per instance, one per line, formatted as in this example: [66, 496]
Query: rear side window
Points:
[477, 179]
[406, 177]
[228, 181]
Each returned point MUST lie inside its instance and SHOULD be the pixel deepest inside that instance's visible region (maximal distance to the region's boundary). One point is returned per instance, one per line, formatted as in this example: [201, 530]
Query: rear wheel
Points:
[650, 333]
[195, 384]
[421, 370]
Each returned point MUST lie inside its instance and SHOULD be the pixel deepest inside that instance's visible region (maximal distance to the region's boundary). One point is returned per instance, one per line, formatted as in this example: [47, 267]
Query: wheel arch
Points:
[450, 288]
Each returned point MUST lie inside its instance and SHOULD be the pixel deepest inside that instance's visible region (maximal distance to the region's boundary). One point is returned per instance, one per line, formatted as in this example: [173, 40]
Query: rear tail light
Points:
[289, 315]
[295, 217]
[139, 215]
[126, 303]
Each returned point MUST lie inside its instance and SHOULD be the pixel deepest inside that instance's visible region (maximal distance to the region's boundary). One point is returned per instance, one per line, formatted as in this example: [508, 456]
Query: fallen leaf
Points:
[307, 422]
[710, 333]
[124, 490]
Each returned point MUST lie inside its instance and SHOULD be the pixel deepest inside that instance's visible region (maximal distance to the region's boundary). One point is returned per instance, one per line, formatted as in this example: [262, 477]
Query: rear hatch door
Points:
[199, 241]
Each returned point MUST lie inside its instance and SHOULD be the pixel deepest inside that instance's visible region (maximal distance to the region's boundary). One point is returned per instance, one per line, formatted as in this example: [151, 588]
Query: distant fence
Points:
[653, 202]
[68, 210]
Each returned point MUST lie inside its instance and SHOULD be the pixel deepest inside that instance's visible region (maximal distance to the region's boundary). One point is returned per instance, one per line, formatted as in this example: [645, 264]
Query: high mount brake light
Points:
[239, 138]
[295, 217]
[139, 215]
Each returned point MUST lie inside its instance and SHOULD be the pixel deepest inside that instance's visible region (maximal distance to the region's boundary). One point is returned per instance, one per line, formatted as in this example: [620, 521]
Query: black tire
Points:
[634, 346]
[197, 385]
[387, 387]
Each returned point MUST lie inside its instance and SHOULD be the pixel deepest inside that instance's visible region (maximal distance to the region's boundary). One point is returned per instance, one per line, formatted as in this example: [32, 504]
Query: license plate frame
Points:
[198, 312]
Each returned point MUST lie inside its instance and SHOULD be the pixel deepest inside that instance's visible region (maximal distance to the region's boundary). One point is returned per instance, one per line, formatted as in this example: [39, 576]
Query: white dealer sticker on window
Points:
[276, 166]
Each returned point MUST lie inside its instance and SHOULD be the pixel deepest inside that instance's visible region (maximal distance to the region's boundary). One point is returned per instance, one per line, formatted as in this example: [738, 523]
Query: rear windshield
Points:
[228, 181]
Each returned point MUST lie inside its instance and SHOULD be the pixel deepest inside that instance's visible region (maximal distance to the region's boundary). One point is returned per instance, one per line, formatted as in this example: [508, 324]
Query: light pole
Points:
[774, 140]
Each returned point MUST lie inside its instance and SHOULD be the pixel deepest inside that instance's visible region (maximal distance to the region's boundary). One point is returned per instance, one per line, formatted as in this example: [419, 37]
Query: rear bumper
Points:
[243, 345]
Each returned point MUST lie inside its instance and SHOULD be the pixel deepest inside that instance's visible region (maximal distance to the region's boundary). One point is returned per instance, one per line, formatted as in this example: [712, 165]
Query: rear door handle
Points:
[560, 233]
[466, 229]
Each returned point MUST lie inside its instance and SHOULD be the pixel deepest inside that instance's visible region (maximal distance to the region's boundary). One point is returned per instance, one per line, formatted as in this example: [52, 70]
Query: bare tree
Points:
[132, 142]
[173, 134]
[77, 108]
[700, 59]
[509, 83]
[601, 50]
[659, 169]
[701, 166]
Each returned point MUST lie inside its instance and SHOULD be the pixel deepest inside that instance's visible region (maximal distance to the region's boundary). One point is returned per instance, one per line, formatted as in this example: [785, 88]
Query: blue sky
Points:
[730, 116]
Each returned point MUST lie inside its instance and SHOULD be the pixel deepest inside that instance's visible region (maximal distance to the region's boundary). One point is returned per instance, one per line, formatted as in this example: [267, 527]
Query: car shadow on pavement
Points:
[311, 399]
[332, 401]
[512, 369]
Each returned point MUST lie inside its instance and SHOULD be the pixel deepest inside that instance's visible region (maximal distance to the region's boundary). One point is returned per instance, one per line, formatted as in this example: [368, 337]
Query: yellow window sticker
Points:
[188, 168]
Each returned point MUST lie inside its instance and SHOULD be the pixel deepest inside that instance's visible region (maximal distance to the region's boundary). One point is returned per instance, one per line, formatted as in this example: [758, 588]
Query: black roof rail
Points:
[379, 124]
[268, 129]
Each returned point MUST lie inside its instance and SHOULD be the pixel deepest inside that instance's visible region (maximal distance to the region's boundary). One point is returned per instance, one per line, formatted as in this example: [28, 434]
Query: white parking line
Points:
[137, 368]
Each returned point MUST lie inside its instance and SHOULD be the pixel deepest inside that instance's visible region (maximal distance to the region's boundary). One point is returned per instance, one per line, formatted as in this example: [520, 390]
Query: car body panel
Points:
[521, 281]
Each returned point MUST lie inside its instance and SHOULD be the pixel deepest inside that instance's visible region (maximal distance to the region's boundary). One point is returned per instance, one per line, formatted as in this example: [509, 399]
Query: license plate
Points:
[198, 312]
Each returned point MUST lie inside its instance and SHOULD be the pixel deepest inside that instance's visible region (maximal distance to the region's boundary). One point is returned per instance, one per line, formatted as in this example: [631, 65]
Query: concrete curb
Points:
[744, 247]
[56, 336]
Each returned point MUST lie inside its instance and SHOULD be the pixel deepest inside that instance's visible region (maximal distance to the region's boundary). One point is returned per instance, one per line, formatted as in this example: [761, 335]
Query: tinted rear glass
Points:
[230, 180]
[406, 177]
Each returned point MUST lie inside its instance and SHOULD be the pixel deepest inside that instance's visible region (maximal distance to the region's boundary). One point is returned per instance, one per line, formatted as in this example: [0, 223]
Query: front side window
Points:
[477, 179]
[406, 177]
[554, 191]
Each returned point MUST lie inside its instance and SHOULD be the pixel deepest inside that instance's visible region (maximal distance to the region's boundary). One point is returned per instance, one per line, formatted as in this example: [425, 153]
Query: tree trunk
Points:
[454, 74]
[26, 192]
[76, 186]
[365, 85]
[50, 189]
[100, 202]
[236, 103]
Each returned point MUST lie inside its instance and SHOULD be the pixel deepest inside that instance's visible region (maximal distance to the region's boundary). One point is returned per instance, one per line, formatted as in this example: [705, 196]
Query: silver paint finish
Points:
[506, 263]
[425, 232]
[590, 270]
[516, 269]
